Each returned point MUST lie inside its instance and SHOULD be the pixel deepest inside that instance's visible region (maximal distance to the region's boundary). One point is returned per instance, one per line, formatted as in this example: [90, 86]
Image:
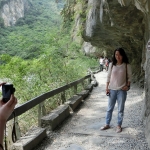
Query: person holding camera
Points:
[117, 85]
[6, 109]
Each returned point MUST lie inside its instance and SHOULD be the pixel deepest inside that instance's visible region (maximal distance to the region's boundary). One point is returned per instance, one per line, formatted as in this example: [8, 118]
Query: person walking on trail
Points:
[106, 63]
[118, 83]
[101, 61]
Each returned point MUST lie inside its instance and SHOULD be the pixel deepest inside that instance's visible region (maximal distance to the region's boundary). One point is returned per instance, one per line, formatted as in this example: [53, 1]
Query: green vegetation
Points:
[37, 55]
[31, 33]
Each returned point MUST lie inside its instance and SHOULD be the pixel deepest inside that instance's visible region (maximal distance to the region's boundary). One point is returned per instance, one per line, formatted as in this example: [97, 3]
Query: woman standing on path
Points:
[118, 83]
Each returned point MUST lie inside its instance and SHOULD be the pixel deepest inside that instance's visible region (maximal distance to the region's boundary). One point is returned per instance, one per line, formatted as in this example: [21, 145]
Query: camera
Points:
[7, 90]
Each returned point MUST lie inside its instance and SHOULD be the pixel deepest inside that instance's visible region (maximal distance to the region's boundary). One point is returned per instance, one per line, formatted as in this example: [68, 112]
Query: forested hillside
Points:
[28, 37]
[37, 54]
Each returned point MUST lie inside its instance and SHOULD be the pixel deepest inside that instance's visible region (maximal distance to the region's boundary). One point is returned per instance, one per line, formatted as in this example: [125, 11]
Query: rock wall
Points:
[124, 23]
[12, 10]
[88, 48]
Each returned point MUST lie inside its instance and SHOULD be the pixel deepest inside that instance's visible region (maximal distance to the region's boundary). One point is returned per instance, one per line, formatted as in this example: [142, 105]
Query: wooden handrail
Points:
[32, 103]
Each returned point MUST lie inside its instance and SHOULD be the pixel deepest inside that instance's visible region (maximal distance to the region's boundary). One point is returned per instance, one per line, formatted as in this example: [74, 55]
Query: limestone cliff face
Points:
[110, 24]
[12, 10]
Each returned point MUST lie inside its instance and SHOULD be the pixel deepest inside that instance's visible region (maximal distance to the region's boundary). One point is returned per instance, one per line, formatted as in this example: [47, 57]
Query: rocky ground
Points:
[81, 131]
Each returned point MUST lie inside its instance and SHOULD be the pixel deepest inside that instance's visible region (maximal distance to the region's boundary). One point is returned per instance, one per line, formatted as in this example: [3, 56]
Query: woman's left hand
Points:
[125, 88]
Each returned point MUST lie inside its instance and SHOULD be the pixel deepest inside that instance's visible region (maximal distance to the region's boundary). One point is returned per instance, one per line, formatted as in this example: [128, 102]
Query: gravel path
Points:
[81, 131]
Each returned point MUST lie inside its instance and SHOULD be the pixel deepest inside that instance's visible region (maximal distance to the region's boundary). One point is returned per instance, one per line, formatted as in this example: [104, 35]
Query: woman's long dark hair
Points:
[123, 54]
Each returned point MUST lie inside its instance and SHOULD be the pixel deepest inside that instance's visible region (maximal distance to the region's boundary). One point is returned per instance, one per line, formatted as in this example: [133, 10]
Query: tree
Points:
[1, 22]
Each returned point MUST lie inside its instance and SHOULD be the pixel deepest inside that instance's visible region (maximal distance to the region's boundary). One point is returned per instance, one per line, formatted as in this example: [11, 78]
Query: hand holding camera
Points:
[7, 90]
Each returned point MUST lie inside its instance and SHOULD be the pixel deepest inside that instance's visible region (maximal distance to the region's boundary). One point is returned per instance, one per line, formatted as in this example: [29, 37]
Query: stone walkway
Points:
[81, 131]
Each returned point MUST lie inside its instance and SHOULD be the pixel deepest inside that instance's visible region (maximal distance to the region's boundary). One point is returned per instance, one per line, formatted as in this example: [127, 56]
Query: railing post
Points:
[82, 84]
[41, 112]
[63, 97]
[43, 109]
[75, 89]
[89, 80]
[91, 74]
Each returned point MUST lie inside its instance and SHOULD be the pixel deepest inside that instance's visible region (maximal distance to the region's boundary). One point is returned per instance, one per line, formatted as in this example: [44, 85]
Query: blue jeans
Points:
[120, 97]
[101, 67]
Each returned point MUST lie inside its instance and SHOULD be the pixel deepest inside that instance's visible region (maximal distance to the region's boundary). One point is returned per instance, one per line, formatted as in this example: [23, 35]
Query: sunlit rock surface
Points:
[88, 48]
[12, 10]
